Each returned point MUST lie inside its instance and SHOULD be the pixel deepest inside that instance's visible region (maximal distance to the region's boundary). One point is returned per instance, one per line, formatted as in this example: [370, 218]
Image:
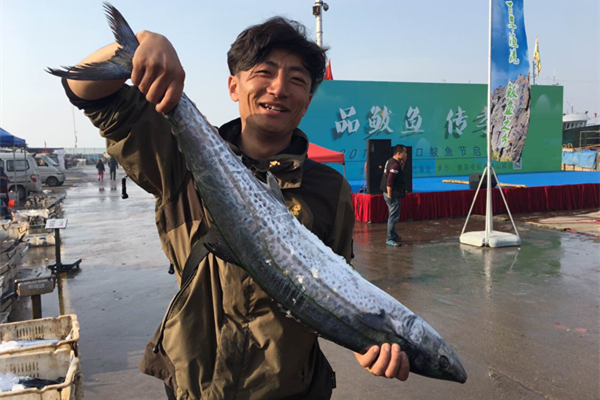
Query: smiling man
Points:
[223, 337]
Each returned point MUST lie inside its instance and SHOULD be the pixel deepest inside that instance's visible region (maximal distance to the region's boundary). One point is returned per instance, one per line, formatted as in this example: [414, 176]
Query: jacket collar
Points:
[285, 166]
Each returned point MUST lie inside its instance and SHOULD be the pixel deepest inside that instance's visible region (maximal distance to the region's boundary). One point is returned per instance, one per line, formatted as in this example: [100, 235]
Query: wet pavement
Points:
[525, 321]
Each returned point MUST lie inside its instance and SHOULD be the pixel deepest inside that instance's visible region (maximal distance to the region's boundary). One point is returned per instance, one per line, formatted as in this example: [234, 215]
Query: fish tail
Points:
[119, 66]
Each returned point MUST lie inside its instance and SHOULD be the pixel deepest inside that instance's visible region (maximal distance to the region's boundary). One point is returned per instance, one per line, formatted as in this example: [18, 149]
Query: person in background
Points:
[100, 168]
[3, 194]
[394, 189]
[113, 165]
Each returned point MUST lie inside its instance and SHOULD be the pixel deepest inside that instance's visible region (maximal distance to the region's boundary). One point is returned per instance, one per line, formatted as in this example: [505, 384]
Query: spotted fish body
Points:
[284, 258]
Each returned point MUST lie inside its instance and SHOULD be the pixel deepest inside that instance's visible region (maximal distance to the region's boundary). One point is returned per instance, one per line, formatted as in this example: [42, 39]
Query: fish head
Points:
[435, 358]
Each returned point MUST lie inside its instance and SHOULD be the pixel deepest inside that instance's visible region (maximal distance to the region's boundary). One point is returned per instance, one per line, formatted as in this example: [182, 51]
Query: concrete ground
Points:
[524, 321]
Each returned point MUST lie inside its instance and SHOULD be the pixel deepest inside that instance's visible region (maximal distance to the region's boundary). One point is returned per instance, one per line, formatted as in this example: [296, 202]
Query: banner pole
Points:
[489, 221]
[473, 203]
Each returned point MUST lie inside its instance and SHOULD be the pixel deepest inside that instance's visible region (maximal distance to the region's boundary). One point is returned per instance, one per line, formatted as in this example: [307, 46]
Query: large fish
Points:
[284, 258]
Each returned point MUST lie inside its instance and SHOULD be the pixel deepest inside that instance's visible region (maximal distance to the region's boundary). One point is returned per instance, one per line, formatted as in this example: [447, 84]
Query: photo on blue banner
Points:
[509, 82]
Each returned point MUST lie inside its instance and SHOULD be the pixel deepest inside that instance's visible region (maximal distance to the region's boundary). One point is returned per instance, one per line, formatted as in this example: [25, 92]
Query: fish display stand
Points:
[59, 265]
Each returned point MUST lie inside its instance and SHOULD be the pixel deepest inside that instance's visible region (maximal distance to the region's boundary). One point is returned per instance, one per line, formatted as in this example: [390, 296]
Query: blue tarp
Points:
[8, 140]
[584, 158]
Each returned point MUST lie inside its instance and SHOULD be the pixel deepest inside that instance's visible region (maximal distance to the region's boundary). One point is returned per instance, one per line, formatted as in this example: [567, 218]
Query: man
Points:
[394, 189]
[113, 165]
[4, 181]
[223, 337]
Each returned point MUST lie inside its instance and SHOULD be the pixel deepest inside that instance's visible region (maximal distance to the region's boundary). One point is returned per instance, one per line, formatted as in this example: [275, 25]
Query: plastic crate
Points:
[12, 251]
[6, 275]
[13, 229]
[45, 364]
[64, 328]
[40, 239]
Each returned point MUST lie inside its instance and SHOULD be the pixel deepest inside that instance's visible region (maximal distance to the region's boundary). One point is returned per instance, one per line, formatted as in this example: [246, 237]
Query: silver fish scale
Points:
[254, 223]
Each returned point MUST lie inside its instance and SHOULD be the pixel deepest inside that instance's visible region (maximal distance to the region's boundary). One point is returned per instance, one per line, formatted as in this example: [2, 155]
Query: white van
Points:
[22, 173]
[50, 172]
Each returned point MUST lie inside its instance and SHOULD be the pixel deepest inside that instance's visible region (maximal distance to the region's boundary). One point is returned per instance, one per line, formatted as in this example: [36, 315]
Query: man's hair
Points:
[254, 44]
[399, 148]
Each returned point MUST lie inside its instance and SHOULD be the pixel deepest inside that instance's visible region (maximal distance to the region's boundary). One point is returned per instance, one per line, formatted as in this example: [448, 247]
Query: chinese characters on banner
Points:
[458, 154]
[346, 124]
[509, 82]
[457, 123]
[378, 122]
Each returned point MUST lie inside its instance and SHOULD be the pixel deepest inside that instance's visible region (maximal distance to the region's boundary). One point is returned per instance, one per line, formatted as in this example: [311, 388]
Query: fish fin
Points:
[273, 187]
[216, 244]
[104, 71]
[119, 66]
[123, 33]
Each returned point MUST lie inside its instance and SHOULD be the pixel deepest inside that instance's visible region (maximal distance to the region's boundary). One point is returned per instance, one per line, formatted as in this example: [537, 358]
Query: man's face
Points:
[403, 154]
[274, 95]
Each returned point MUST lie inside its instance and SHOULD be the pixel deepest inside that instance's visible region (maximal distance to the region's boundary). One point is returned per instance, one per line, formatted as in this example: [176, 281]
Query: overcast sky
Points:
[378, 40]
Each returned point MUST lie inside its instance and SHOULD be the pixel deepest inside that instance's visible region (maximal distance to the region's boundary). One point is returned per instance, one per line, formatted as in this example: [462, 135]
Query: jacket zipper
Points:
[168, 313]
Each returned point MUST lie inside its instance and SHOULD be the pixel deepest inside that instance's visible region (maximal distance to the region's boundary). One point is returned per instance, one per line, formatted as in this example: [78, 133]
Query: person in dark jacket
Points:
[113, 165]
[394, 189]
[100, 168]
[3, 194]
[226, 338]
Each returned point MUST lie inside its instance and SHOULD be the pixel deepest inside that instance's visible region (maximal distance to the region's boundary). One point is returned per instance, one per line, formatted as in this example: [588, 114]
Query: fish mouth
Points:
[273, 107]
[457, 372]
[461, 375]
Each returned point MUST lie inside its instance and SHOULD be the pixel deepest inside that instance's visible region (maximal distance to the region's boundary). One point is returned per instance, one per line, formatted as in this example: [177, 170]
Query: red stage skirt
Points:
[419, 206]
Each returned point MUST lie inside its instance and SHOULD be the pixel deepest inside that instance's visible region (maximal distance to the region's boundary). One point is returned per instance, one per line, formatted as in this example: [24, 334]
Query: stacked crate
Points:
[44, 360]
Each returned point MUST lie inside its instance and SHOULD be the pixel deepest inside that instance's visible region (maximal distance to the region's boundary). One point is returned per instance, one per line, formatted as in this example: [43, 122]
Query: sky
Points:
[377, 40]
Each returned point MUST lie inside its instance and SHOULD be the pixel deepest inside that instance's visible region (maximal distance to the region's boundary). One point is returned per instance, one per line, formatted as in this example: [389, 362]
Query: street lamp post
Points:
[318, 9]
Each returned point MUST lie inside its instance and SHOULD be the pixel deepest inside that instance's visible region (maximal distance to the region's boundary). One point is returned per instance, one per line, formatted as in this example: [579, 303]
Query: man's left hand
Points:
[388, 361]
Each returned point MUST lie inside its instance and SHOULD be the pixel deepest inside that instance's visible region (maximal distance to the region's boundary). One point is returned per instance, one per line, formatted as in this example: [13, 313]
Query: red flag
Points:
[328, 73]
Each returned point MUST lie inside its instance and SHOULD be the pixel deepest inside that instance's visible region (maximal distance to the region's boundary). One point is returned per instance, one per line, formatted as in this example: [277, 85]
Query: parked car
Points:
[50, 172]
[23, 176]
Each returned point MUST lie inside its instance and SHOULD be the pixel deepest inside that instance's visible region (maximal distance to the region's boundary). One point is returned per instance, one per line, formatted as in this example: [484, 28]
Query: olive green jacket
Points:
[223, 337]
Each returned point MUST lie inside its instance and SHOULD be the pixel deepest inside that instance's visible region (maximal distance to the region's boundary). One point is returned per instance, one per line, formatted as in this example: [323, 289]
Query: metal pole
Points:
[57, 249]
[74, 129]
[489, 221]
[473, 203]
[507, 209]
[61, 298]
[319, 18]
[534, 68]
[36, 306]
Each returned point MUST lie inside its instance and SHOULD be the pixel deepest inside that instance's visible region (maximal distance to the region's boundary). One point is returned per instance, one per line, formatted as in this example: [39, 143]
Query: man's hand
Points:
[157, 71]
[388, 361]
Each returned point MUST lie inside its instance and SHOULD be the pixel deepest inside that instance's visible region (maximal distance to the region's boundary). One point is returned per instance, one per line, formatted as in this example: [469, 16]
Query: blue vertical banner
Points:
[509, 82]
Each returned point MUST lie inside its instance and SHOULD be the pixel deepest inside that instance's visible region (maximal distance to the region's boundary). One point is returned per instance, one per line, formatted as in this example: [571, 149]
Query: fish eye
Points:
[444, 363]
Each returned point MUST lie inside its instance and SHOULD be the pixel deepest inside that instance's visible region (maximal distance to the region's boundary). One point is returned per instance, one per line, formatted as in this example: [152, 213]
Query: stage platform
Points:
[431, 198]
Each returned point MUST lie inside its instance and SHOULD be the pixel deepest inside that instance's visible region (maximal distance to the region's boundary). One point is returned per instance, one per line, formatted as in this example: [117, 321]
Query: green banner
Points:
[444, 123]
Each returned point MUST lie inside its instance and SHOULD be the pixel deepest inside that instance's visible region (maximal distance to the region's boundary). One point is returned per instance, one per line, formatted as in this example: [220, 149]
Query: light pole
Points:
[74, 129]
[318, 9]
